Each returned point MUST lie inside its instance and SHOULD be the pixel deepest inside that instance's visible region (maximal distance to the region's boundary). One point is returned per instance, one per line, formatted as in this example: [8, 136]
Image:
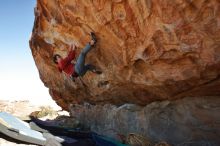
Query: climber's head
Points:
[56, 58]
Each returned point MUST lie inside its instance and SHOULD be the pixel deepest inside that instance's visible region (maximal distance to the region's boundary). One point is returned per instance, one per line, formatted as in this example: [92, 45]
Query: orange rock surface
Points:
[147, 49]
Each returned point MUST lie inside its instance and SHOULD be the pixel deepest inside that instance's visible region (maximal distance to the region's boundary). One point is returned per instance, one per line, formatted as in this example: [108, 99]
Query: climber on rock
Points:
[79, 68]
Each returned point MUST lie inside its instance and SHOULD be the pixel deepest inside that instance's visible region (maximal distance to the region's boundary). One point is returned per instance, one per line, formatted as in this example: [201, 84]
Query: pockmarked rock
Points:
[148, 50]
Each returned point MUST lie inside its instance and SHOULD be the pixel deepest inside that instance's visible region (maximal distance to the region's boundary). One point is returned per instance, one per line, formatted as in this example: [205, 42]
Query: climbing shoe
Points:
[93, 37]
[96, 71]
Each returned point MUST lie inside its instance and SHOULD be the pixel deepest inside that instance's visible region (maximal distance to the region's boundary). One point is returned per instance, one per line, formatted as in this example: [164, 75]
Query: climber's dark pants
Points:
[80, 67]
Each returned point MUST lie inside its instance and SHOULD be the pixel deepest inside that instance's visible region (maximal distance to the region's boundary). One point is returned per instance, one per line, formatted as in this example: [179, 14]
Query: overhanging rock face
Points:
[148, 50]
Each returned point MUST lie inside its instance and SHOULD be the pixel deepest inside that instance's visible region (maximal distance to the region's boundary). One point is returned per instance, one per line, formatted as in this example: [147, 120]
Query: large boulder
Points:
[153, 54]
[148, 50]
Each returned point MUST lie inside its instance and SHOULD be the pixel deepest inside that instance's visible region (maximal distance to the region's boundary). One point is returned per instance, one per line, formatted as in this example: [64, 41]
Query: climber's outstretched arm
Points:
[71, 54]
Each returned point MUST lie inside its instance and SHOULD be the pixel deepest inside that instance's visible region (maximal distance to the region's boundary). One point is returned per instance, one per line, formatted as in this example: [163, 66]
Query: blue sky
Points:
[19, 78]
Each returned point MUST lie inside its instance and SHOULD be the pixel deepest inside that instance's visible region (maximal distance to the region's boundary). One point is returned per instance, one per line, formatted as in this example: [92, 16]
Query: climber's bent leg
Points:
[87, 48]
[80, 66]
[88, 67]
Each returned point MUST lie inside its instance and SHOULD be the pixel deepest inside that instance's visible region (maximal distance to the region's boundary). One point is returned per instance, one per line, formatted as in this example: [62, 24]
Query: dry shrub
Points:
[138, 140]
[44, 111]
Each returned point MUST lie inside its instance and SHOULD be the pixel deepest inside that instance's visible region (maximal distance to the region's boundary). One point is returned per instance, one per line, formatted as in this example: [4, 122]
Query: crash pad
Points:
[19, 130]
